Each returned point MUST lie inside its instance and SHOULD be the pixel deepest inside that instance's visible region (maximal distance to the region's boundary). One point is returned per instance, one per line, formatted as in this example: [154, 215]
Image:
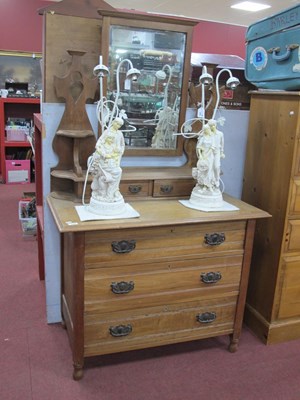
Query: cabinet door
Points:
[292, 239]
[294, 207]
[289, 303]
[296, 170]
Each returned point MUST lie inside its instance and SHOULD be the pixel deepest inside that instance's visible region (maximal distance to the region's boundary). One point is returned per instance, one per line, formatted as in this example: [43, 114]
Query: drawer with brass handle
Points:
[180, 282]
[107, 334]
[136, 189]
[175, 242]
[173, 188]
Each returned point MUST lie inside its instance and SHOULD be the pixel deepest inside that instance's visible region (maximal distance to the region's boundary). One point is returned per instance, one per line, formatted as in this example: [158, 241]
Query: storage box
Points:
[273, 57]
[16, 134]
[28, 224]
[17, 171]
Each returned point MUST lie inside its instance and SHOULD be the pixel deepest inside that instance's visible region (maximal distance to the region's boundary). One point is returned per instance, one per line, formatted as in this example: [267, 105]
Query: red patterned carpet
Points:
[35, 362]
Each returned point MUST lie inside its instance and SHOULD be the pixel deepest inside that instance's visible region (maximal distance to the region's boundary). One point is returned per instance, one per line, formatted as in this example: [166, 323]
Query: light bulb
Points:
[232, 83]
[161, 75]
[206, 79]
[100, 70]
[133, 74]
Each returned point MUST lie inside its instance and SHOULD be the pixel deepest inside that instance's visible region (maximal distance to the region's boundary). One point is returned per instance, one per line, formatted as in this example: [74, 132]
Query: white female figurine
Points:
[106, 171]
[210, 150]
[218, 149]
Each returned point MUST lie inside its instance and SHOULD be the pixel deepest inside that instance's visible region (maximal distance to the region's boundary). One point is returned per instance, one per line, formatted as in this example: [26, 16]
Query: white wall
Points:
[235, 136]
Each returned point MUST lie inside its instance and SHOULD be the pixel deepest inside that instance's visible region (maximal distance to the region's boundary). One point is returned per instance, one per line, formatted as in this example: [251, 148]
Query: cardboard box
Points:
[17, 171]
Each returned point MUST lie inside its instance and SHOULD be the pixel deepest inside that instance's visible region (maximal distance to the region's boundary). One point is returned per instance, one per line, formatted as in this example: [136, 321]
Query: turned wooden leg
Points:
[233, 345]
[77, 372]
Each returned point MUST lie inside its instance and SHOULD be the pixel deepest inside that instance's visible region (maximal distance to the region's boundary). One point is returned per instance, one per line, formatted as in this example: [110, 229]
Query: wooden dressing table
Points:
[172, 275]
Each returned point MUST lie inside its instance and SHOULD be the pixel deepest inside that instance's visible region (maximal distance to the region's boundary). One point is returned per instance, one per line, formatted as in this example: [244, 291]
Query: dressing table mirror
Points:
[155, 104]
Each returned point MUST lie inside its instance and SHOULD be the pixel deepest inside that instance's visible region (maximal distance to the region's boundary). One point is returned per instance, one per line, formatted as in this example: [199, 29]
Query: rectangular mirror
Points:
[155, 103]
[152, 102]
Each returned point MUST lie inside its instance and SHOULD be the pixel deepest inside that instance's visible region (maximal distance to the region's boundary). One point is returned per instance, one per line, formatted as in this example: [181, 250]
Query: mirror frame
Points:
[153, 22]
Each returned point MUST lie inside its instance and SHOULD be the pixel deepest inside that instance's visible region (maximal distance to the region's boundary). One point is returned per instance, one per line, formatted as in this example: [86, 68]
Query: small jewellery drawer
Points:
[173, 188]
[292, 238]
[131, 246]
[112, 289]
[109, 333]
[136, 189]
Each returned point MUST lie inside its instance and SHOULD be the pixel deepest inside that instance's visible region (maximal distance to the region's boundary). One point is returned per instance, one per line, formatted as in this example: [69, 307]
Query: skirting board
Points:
[271, 333]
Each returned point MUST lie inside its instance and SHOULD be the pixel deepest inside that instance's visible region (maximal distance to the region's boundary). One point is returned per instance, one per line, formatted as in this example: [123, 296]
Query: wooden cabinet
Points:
[172, 275]
[271, 182]
[14, 108]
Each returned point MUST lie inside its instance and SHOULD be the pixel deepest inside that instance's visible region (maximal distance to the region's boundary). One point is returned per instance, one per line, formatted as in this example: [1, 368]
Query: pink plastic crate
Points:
[16, 135]
[17, 171]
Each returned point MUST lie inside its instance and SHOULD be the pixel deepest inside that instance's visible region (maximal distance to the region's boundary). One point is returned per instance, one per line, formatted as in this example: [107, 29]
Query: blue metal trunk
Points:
[273, 51]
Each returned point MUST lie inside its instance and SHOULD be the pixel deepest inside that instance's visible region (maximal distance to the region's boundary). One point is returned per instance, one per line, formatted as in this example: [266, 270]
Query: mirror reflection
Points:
[152, 102]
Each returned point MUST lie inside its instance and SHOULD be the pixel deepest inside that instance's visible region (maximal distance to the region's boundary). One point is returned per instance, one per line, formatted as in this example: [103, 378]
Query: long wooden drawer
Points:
[173, 188]
[156, 326]
[111, 289]
[129, 246]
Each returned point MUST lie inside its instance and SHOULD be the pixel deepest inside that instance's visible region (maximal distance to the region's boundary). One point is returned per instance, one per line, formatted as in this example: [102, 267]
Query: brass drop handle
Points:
[206, 318]
[123, 246]
[210, 277]
[214, 239]
[120, 330]
[166, 188]
[122, 287]
[134, 189]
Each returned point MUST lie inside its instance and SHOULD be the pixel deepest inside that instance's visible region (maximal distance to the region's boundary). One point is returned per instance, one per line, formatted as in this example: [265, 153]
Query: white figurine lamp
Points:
[207, 193]
[104, 165]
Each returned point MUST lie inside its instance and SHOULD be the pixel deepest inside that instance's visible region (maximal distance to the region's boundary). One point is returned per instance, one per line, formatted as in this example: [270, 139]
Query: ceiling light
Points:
[250, 6]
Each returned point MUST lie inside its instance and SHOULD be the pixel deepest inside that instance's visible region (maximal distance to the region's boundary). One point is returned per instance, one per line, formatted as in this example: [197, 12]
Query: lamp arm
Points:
[203, 103]
[118, 88]
[101, 104]
[167, 66]
[218, 91]
[101, 96]
[103, 108]
[204, 71]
